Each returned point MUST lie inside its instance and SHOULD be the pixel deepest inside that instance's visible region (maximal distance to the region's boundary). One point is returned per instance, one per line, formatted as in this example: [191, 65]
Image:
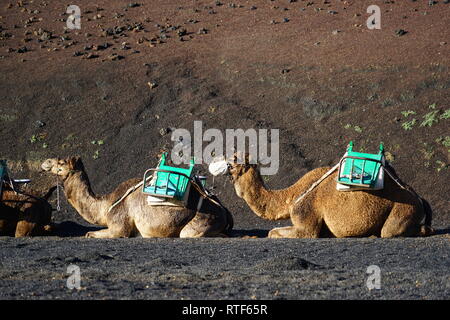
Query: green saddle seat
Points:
[361, 169]
[167, 181]
[2, 174]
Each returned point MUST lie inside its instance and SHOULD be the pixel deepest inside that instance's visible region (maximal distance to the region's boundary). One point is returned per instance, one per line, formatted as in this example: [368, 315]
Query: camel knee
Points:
[190, 233]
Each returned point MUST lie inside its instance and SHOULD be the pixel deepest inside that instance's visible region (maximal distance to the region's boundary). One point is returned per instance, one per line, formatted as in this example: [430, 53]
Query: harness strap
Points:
[315, 184]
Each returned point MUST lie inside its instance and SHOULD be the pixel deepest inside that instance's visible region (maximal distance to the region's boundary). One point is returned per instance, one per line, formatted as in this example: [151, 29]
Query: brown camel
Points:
[327, 212]
[24, 214]
[134, 215]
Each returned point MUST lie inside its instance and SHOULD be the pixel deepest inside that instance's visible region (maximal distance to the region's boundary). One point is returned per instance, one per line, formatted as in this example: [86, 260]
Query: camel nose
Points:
[218, 166]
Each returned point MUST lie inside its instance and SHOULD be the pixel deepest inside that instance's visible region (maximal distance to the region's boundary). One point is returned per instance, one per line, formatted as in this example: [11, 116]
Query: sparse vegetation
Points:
[97, 142]
[445, 115]
[408, 113]
[96, 155]
[430, 119]
[445, 141]
[441, 165]
[387, 102]
[356, 128]
[408, 125]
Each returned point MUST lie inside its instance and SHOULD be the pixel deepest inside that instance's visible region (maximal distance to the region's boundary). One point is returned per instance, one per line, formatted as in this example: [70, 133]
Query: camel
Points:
[325, 211]
[133, 215]
[24, 214]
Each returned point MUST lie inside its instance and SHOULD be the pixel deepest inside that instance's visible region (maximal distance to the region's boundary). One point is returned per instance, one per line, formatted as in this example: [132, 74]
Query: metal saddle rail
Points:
[146, 177]
[361, 178]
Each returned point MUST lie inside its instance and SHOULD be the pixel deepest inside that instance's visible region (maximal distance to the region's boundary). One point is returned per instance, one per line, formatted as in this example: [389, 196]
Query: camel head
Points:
[63, 167]
[238, 167]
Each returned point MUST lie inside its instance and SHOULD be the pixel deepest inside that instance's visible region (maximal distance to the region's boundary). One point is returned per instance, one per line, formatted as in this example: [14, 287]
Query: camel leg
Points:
[306, 224]
[205, 225]
[292, 232]
[403, 221]
[111, 232]
[24, 228]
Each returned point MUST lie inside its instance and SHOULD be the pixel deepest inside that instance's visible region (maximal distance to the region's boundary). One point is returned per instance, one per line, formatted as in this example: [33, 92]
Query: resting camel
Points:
[134, 215]
[327, 212]
[23, 214]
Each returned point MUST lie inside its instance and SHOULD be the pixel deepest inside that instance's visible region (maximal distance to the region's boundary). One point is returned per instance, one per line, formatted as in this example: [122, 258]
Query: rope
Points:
[203, 192]
[58, 205]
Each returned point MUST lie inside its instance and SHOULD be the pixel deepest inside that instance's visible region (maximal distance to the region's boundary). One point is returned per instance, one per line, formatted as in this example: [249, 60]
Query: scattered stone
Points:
[332, 12]
[253, 8]
[91, 56]
[284, 71]
[164, 131]
[101, 46]
[182, 32]
[39, 124]
[202, 31]
[335, 32]
[22, 50]
[400, 32]
[77, 53]
[152, 84]
[133, 5]
[115, 56]
[285, 20]
[443, 43]
[316, 43]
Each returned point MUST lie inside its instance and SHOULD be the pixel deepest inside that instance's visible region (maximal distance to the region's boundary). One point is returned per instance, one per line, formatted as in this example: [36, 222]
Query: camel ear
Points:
[75, 163]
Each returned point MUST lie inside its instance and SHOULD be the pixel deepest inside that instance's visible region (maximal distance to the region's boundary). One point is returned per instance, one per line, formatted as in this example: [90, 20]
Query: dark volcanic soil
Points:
[225, 268]
[309, 68]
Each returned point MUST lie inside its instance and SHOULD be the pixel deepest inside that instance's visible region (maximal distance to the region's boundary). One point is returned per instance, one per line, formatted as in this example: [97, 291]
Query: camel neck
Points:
[268, 204]
[80, 195]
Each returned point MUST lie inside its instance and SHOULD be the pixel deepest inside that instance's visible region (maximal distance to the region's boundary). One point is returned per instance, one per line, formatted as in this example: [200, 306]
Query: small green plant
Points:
[408, 113]
[96, 155]
[441, 165]
[408, 125]
[347, 126]
[432, 106]
[430, 119]
[358, 129]
[33, 138]
[445, 115]
[44, 145]
[444, 141]
[387, 102]
[97, 142]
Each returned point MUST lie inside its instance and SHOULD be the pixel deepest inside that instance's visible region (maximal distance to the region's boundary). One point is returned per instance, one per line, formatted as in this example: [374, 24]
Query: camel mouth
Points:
[46, 166]
[218, 166]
